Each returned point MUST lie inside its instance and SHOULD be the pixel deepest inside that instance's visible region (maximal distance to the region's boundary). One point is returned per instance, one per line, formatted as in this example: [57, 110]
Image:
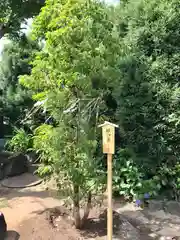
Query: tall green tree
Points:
[15, 99]
[14, 13]
[73, 75]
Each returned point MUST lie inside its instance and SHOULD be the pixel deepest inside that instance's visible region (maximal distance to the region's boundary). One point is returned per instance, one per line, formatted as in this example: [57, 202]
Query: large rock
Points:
[4, 155]
[173, 207]
[4, 161]
[2, 143]
[155, 205]
[15, 165]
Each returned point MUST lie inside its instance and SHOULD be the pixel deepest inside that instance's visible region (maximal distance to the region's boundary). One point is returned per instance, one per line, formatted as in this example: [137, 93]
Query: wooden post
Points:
[110, 205]
[108, 132]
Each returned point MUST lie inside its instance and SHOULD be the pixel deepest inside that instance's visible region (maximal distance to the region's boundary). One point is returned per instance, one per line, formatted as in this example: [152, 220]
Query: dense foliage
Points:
[148, 92]
[20, 142]
[119, 64]
[73, 75]
[15, 99]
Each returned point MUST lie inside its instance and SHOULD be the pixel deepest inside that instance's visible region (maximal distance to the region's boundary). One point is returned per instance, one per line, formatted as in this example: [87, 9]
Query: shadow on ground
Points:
[122, 228]
[98, 226]
[95, 226]
[12, 235]
[29, 192]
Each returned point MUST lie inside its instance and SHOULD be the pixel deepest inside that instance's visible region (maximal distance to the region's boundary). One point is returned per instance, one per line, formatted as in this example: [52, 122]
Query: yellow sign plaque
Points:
[108, 134]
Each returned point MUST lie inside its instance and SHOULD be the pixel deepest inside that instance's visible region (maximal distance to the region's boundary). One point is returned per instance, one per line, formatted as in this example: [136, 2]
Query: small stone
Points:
[59, 219]
[177, 227]
[153, 235]
[162, 238]
[155, 228]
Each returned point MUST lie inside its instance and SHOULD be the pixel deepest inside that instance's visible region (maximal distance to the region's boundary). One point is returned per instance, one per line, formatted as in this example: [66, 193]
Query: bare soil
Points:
[29, 212]
[37, 213]
[39, 228]
[42, 227]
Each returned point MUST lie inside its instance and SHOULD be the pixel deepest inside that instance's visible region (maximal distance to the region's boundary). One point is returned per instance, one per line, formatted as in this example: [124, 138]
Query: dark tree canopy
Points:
[14, 99]
[14, 12]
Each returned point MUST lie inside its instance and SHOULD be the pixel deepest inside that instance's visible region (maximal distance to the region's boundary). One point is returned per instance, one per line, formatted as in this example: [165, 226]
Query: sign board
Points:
[108, 134]
[108, 139]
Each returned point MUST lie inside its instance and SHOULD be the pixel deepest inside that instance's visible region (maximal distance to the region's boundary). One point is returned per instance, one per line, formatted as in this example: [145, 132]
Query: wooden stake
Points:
[108, 132]
[110, 205]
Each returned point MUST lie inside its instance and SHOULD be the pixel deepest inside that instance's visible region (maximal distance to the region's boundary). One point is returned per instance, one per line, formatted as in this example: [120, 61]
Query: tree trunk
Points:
[1, 126]
[76, 208]
[87, 209]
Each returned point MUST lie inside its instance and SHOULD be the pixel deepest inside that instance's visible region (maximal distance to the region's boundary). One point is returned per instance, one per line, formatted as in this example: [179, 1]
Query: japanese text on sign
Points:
[108, 139]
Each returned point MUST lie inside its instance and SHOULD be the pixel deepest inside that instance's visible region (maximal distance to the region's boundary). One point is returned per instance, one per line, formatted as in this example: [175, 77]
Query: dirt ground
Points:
[29, 211]
[28, 216]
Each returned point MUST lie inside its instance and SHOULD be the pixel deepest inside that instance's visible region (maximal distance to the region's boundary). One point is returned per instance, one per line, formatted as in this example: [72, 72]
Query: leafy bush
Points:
[165, 184]
[43, 145]
[20, 142]
[168, 181]
[71, 160]
[130, 181]
[147, 91]
[127, 178]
